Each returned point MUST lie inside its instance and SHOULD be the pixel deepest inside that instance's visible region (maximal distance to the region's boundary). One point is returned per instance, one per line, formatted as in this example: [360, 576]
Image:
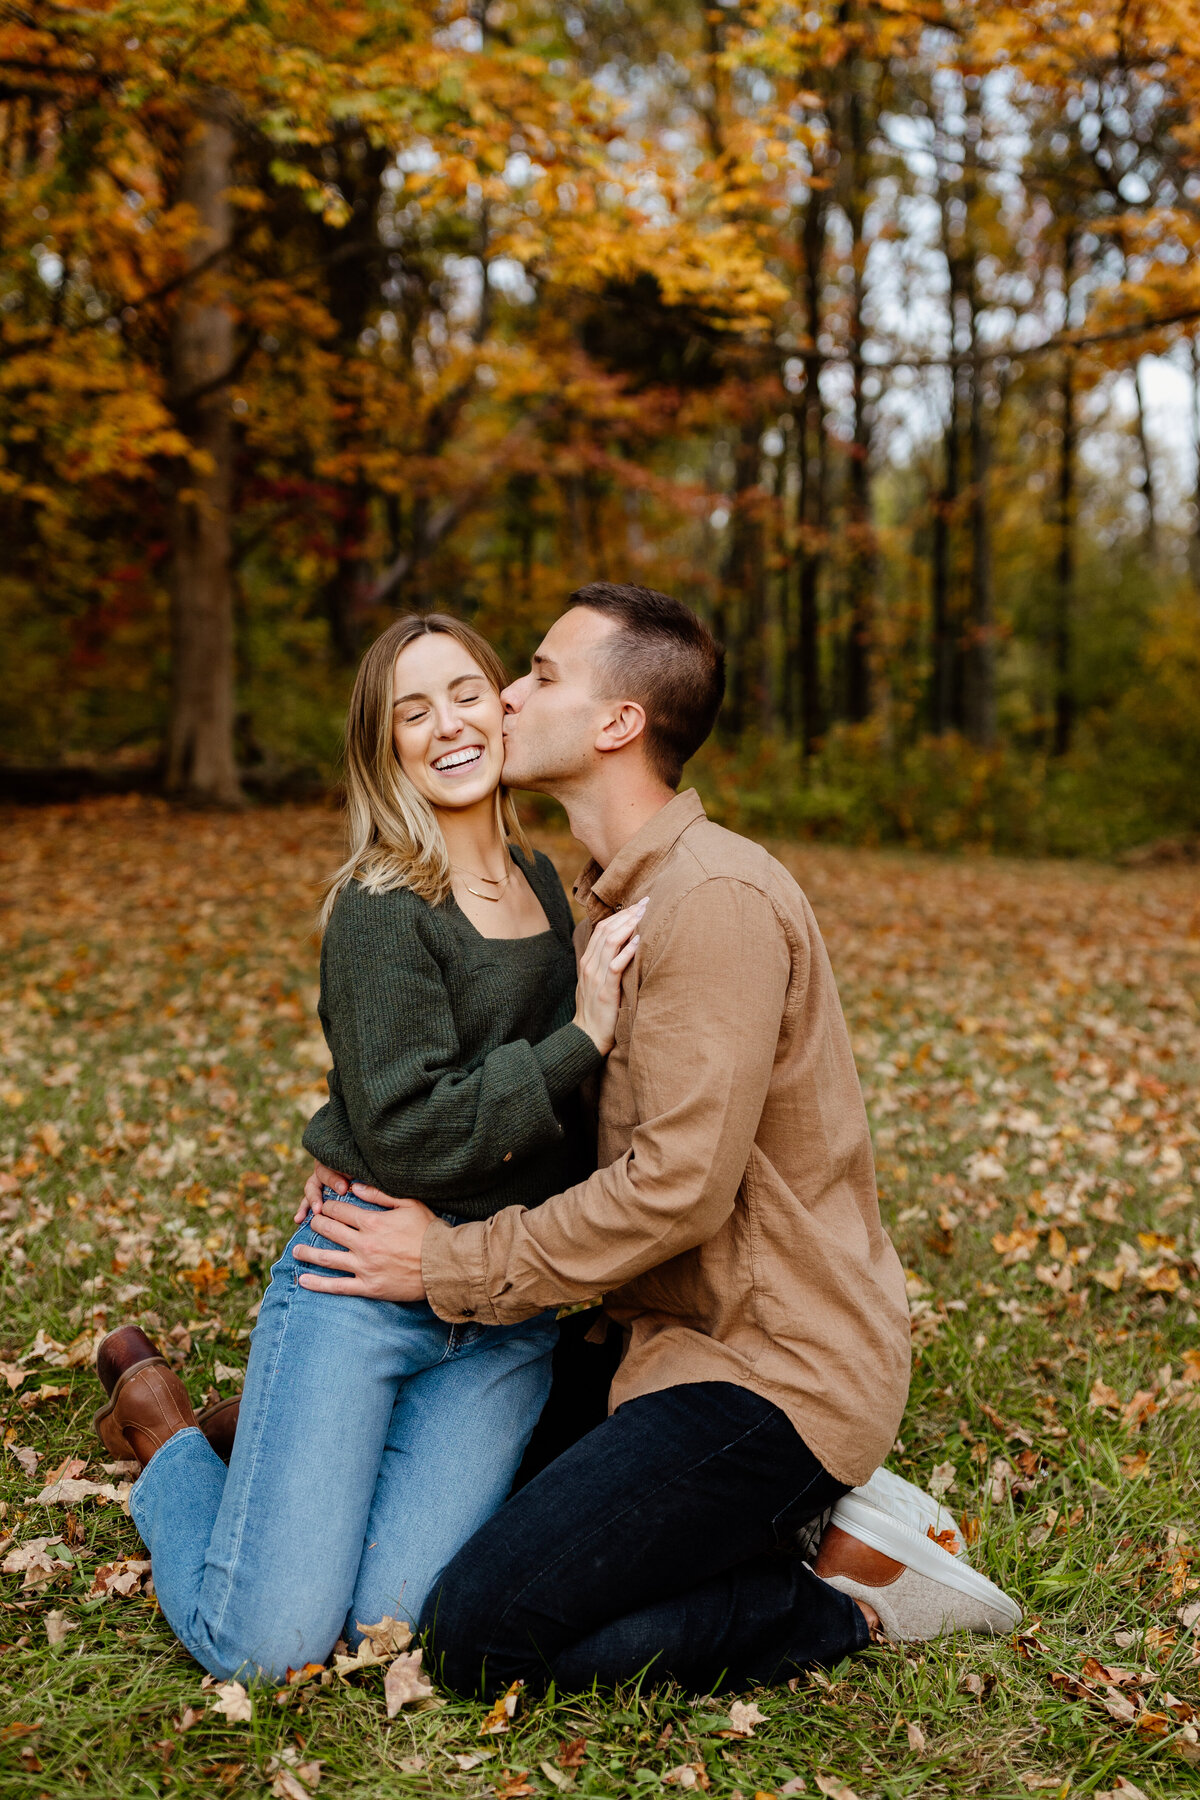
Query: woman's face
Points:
[447, 722]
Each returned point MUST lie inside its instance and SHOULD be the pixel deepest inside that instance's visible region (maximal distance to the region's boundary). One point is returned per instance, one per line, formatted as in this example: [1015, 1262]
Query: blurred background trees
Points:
[841, 320]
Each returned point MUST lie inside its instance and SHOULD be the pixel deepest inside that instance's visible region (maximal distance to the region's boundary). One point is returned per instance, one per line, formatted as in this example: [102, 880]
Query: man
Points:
[732, 1228]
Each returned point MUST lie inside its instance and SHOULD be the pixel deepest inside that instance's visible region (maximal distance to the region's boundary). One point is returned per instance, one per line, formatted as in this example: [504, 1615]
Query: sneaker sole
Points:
[892, 1538]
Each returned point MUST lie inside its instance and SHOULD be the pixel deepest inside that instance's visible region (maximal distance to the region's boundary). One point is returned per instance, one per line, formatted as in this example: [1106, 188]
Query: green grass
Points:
[156, 1062]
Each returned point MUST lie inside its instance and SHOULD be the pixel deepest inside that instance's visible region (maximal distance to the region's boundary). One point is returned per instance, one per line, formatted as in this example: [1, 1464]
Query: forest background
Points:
[836, 319]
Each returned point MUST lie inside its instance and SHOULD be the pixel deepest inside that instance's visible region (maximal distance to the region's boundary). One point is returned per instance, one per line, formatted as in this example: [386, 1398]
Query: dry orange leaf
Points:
[502, 1713]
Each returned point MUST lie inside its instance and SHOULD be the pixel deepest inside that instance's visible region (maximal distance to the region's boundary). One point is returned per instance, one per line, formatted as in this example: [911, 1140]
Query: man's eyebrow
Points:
[405, 699]
[543, 662]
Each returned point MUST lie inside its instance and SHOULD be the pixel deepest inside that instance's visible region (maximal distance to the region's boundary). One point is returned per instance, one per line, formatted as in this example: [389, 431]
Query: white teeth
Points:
[458, 757]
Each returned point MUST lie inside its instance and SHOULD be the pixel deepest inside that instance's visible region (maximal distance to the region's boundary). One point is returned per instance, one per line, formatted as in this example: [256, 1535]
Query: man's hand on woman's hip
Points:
[377, 1255]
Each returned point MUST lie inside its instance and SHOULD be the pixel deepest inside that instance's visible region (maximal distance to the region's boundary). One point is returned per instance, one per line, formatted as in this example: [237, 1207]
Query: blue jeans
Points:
[661, 1540]
[372, 1441]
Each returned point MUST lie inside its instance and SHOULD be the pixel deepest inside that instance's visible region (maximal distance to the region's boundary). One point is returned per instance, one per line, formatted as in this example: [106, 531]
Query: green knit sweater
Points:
[455, 1062]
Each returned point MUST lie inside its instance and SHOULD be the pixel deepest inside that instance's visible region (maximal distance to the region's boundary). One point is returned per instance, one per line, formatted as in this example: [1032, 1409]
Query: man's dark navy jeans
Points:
[659, 1540]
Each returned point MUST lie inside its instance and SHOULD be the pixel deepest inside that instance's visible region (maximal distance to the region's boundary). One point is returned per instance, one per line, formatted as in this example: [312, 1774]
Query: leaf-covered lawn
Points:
[1029, 1040]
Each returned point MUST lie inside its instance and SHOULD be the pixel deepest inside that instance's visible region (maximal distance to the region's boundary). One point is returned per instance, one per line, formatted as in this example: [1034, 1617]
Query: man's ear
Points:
[622, 727]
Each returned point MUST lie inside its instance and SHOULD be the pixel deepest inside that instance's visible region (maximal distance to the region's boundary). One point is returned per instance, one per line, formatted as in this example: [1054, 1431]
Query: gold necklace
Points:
[500, 881]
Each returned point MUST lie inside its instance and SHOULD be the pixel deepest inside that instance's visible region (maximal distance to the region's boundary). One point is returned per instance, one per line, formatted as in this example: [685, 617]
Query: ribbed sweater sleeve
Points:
[422, 1116]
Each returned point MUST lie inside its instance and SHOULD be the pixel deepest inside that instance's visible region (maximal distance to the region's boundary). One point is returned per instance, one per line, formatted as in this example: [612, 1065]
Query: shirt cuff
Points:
[566, 1058]
[452, 1264]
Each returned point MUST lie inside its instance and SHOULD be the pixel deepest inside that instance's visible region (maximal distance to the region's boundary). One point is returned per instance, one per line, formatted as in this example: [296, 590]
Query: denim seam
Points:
[795, 1500]
[219, 1620]
[611, 1523]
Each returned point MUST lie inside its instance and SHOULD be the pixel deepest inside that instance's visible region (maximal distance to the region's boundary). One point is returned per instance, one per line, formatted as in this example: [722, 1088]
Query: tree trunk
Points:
[861, 546]
[946, 711]
[812, 468]
[354, 261]
[1151, 532]
[946, 691]
[980, 658]
[1194, 535]
[1064, 707]
[980, 654]
[200, 753]
[741, 581]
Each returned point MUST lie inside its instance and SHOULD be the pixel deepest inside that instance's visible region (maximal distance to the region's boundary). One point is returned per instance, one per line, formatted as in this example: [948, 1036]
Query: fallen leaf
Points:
[411, 1765]
[13, 1374]
[946, 1539]
[1189, 1617]
[835, 1789]
[405, 1682]
[744, 1716]
[916, 1739]
[688, 1775]
[28, 1458]
[500, 1715]
[389, 1637]
[233, 1701]
[287, 1786]
[1118, 1707]
[1133, 1467]
[942, 1479]
[223, 1372]
[122, 1577]
[31, 1560]
[1103, 1395]
[10, 1733]
[554, 1776]
[1124, 1790]
[471, 1759]
[571, 1753]
[795, 1784]
[1143, 1406]
[69, 1493]
[514, 1786]
[67, 1470]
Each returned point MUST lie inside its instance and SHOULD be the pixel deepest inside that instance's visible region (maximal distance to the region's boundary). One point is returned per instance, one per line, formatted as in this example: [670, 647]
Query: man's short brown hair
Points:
[666, 659]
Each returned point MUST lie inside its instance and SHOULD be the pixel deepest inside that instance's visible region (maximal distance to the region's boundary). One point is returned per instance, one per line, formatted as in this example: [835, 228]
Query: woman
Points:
[372, 1439]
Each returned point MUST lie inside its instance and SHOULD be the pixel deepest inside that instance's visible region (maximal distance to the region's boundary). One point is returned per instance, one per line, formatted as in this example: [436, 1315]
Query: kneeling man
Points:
[733, 1229]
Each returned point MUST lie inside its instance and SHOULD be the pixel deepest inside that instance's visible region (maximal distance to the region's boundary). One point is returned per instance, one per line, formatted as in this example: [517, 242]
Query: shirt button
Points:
[507, 1157]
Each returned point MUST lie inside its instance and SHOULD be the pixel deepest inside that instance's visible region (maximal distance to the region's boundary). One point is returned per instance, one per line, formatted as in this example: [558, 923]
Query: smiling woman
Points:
[424, 738]
[459, 1033]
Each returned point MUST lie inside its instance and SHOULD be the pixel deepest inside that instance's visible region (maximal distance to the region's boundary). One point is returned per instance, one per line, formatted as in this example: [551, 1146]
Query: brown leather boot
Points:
[218, 1422]
[120, 1353]
[147, 1403]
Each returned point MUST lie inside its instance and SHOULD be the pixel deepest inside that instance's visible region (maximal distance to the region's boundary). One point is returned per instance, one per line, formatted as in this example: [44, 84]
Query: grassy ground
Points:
[1029, 1039]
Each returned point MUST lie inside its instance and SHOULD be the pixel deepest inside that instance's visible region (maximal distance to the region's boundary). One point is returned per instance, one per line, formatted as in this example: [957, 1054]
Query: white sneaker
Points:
[891, 1494]
[930, 1592]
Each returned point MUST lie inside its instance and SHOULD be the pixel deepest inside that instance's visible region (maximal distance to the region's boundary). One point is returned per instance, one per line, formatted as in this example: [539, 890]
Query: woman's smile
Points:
[455, 762]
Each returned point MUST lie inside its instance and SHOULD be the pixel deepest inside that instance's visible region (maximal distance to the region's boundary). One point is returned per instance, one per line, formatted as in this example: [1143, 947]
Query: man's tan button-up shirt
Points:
[733, 1225]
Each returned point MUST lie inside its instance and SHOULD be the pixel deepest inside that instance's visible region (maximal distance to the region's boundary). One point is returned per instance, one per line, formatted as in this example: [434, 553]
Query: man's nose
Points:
[513, 696]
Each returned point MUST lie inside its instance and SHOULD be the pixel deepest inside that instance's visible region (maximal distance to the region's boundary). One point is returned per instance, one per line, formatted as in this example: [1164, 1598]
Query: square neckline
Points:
[529, 937]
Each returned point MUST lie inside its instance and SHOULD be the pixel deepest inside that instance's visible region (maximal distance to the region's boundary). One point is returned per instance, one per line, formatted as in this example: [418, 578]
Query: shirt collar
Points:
[626, 876]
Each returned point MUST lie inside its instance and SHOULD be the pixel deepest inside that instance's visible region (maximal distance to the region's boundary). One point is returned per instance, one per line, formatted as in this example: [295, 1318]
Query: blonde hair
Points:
[394, 837]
